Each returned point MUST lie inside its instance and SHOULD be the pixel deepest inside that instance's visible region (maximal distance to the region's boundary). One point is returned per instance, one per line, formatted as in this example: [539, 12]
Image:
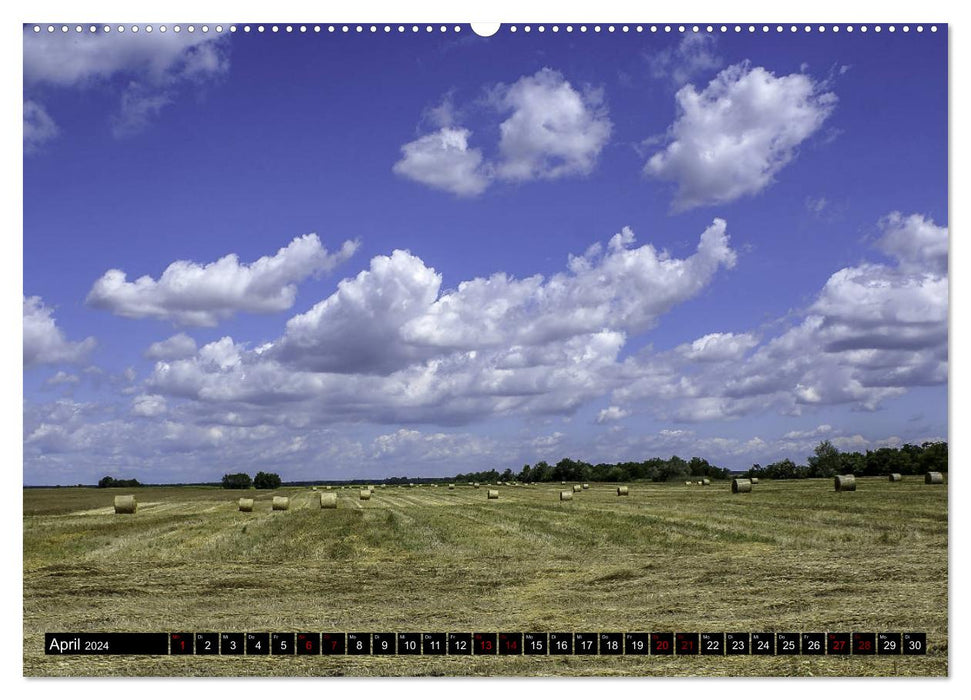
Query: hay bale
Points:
[328, 487]
[365, 494]
[493, 494]
[706, 482]
[687, 483]
[328, 500]
[246, 505]
[562, 483]
[281, 503]
[754, 479]
[933, 478]
[896, 477]
[566, 495]
[125, 504]
[475, 485]
[623, 491]
[577, 487]
[313, 488]
[741, 486]
[451, 487]
[585, 486]
[845, 482]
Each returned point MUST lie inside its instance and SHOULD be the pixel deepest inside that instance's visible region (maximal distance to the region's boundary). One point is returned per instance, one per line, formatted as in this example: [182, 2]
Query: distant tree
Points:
[236, 481]
[933, 457]
[265, 480]
[109, 482]
[106, 482]
[825, 461]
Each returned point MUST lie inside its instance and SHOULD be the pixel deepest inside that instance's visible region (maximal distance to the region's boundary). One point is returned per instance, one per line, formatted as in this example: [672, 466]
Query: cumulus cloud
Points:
[39, 128]
[188, 293]
[612, 413]
[872, 332]
[553, 130]
[150, 67]
[148, 405]
[443, 160]
[731, 139]
[44, 342]
[719, 347]
[62, 378]
[174, 348]
[392, 314]
[694, 55]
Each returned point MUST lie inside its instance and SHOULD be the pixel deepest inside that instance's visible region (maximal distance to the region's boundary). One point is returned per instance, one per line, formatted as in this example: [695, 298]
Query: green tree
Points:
[267, 480]
[825, 461]
[236, 481]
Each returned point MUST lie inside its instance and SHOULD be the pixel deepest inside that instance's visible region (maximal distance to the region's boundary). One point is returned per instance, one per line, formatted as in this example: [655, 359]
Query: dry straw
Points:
[741, 486]
[566, 495]
[896, 477]
[845, 482]
[687, 483]
[328, 500]
[933, 478]
[706, 482]
[577, 487]
[623, 491]
[246, 505]
[754, 479]
[493, 494]
[365, 494]
[125, 504]
[281, 503]
[451, 487]
[475, 485]
[585, 486]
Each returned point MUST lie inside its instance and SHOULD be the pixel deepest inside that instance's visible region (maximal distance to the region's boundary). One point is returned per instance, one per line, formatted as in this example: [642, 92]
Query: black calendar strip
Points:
[487, 643]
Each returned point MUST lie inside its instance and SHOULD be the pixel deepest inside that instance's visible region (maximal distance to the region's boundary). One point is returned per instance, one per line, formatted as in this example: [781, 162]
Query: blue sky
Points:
[610, 247]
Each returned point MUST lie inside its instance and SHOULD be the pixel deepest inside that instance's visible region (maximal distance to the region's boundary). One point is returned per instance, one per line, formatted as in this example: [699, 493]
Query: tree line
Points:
[262, 480]
[828, 461]
[656, 469]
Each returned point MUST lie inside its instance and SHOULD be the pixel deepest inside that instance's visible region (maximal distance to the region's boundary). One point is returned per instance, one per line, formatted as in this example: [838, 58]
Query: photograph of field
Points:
[789, 556]
[600, 329]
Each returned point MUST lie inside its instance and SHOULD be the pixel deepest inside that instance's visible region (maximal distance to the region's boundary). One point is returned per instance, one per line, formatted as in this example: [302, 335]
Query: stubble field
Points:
[792, 556]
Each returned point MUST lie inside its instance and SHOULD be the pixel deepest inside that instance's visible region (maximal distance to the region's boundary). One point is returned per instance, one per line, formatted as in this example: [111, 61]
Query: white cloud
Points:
[872, 332]
[62, 377]
[733, 137]
[443, 160]
[818, 431]
[44, 342]
[188, 293]
[152, 66]
[392, 315]
[694, 55]
[39, 128]
[719, 347]
[552, 131]
[177, 347]
[148, 405]
[612, 413]
[915, 241]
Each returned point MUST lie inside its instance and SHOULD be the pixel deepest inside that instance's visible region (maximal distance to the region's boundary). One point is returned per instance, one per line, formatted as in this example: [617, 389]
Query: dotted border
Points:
[506, 28]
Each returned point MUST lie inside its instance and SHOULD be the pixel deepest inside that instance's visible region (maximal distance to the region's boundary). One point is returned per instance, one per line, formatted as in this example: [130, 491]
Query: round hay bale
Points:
[687, 483]
[328, 500]
[471, 482]
[741, 486]
[577, 487]
[328, 487]
[562, 483]
[281, 503]
[365, 494]
[896, 477]
[623, 491]
[754, 479]
[384, 486]
[566, 495]
[451, 487]
[845, 482]
[706, 482]
[475, 486]
[493, 494]
[313, 488]
[585, 486]
[125, 504]
[933, 478]
[246, 505]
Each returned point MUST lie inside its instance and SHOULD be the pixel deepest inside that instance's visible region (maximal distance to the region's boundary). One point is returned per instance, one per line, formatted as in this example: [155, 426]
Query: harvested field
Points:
[664, 558]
